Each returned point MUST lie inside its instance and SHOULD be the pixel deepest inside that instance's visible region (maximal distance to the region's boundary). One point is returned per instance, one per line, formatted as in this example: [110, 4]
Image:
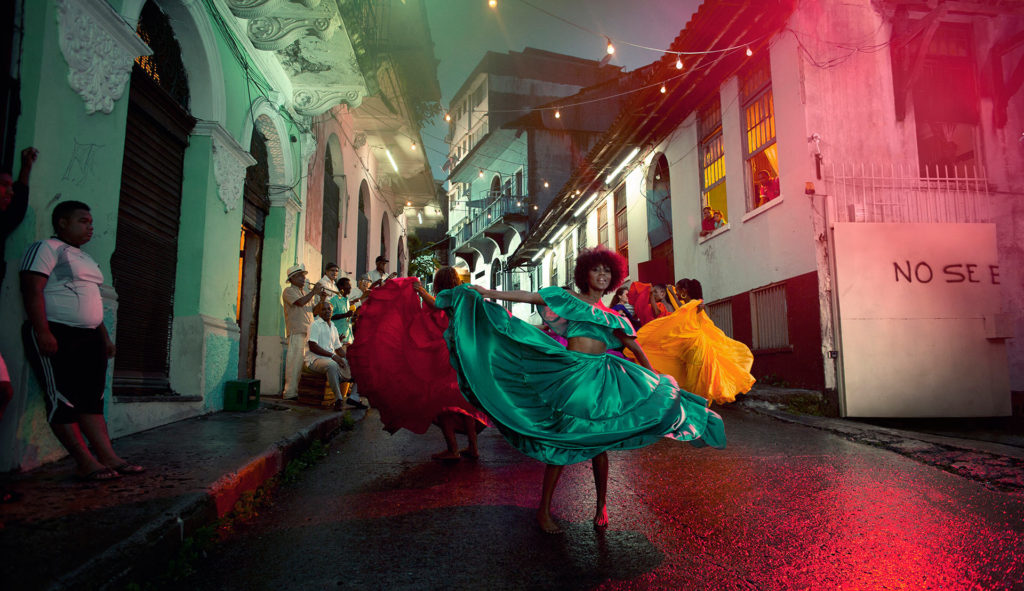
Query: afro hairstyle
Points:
[591, 257]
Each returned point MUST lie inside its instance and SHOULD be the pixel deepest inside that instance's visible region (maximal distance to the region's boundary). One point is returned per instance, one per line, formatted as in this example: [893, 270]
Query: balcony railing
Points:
[495, 212]
[900, 194]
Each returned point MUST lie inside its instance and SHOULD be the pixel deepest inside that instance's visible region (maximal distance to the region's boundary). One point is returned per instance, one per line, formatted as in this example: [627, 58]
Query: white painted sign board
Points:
[913, 302]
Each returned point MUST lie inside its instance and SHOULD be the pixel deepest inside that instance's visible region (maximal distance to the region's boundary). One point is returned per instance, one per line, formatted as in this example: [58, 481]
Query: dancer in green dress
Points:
[563, 405]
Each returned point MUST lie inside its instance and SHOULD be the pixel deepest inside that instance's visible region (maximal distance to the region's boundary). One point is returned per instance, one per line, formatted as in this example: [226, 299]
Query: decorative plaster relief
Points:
[229, 162]
[316, 101]
[276, 32]
[254, 8]
[99, 48]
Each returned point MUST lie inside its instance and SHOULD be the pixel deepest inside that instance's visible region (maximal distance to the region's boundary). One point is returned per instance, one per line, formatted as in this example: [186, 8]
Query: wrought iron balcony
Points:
[500, 210]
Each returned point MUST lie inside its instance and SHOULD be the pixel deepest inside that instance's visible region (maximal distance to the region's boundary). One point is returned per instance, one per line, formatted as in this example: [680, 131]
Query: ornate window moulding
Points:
[99, 48]
[229, 162]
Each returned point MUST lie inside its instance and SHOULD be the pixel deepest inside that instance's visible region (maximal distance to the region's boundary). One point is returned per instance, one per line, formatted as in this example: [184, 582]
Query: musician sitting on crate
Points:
[326, 354]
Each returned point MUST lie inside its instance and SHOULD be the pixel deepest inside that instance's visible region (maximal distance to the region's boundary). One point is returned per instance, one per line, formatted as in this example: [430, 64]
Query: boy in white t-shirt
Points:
[67, 342]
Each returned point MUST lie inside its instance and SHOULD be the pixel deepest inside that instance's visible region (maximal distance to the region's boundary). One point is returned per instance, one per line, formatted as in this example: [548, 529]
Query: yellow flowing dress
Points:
[688, 346]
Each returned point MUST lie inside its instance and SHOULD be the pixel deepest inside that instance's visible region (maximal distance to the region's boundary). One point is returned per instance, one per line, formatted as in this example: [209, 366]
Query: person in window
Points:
[707, 222]
[718, 220]
[564, 405]
[767, 187]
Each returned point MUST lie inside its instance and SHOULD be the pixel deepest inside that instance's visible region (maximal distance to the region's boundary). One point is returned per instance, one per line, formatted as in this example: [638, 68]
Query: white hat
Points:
[299, 268]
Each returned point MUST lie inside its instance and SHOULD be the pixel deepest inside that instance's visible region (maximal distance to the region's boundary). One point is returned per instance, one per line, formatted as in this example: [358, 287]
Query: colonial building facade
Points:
[865, 161]
[218, 142]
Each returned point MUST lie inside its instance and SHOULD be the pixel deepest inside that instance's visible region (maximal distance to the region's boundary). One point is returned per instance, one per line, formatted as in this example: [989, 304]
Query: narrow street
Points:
[783, 507]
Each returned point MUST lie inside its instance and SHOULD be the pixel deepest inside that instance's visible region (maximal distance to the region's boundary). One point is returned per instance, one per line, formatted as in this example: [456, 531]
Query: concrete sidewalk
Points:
[988, 451]
[68, 534]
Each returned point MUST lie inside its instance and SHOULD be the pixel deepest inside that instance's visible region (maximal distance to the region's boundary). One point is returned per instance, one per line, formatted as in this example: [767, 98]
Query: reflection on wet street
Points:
[783, 507]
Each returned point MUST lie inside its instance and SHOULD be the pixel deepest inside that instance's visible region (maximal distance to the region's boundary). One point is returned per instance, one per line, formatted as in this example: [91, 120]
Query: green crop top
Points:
[569, 316]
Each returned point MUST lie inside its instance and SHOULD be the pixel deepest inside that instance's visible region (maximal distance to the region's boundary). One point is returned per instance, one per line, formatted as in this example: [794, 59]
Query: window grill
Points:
[721, 314]
[602, 224]
[621, 234]
[769, 317]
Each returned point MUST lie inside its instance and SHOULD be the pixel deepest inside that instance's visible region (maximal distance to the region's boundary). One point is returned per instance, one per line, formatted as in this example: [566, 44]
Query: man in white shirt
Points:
[298, 315]
[329, 281]
[326, 355]
[378, 276]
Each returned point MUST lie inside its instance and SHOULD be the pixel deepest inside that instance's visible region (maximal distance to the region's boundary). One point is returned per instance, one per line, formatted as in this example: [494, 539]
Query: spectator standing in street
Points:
[67, 343]
[298, 315]
[13, 204]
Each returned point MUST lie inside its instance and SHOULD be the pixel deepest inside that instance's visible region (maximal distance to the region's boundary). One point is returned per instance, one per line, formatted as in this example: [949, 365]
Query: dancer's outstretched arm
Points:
[517, 295]
[424, 294]
[635, 348]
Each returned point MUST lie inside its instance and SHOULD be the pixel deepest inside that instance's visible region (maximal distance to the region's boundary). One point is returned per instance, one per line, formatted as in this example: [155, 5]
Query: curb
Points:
[998, 467]
[148, 549]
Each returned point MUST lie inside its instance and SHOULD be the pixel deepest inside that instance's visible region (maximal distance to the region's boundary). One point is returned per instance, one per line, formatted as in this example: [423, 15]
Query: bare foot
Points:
[547, 524]
[469, 454]
[601, 518]
[446, 456]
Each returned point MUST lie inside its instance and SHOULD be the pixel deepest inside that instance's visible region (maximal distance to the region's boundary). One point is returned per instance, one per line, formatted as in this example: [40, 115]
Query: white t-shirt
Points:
[72, 292]
[374, 276]
[325, 335]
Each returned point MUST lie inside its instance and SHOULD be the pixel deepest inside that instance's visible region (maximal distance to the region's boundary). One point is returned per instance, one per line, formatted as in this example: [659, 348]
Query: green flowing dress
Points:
[561, 406]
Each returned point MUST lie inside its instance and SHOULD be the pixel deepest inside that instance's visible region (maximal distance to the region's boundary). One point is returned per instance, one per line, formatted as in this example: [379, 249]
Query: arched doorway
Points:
[363, 230]
[401, 258]
[255, 209]
[495, 191]
[385, 236]
[144, 263]
[659, 211]
[332, 204]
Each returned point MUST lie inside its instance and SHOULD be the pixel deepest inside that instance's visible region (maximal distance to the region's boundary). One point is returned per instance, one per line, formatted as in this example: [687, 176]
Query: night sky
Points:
[463, 30]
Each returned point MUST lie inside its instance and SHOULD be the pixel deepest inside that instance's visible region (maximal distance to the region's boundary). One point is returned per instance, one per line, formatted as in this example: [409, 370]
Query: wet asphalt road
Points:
[784, 507]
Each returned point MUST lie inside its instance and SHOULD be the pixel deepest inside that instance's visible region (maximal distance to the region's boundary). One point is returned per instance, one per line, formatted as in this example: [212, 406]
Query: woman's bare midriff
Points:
[586, 345]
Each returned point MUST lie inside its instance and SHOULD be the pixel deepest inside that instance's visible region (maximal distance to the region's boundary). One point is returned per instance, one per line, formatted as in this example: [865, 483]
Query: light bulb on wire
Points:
[413, 146]
[481, 173]
[492, 3]
[679, 63]
[558, 114]
[663, 89]
[546, 184]
[610, 48]
[749, 53]
[447, 116]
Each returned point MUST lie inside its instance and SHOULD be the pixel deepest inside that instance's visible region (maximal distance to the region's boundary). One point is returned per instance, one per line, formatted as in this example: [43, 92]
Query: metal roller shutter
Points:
[145, 258]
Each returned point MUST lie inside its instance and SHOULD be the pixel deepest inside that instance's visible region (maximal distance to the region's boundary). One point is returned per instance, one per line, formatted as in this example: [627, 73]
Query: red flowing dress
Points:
[400, 360]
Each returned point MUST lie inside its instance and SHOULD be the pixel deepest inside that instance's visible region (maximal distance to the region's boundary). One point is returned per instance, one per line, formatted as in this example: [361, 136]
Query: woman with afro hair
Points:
[563, 405]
